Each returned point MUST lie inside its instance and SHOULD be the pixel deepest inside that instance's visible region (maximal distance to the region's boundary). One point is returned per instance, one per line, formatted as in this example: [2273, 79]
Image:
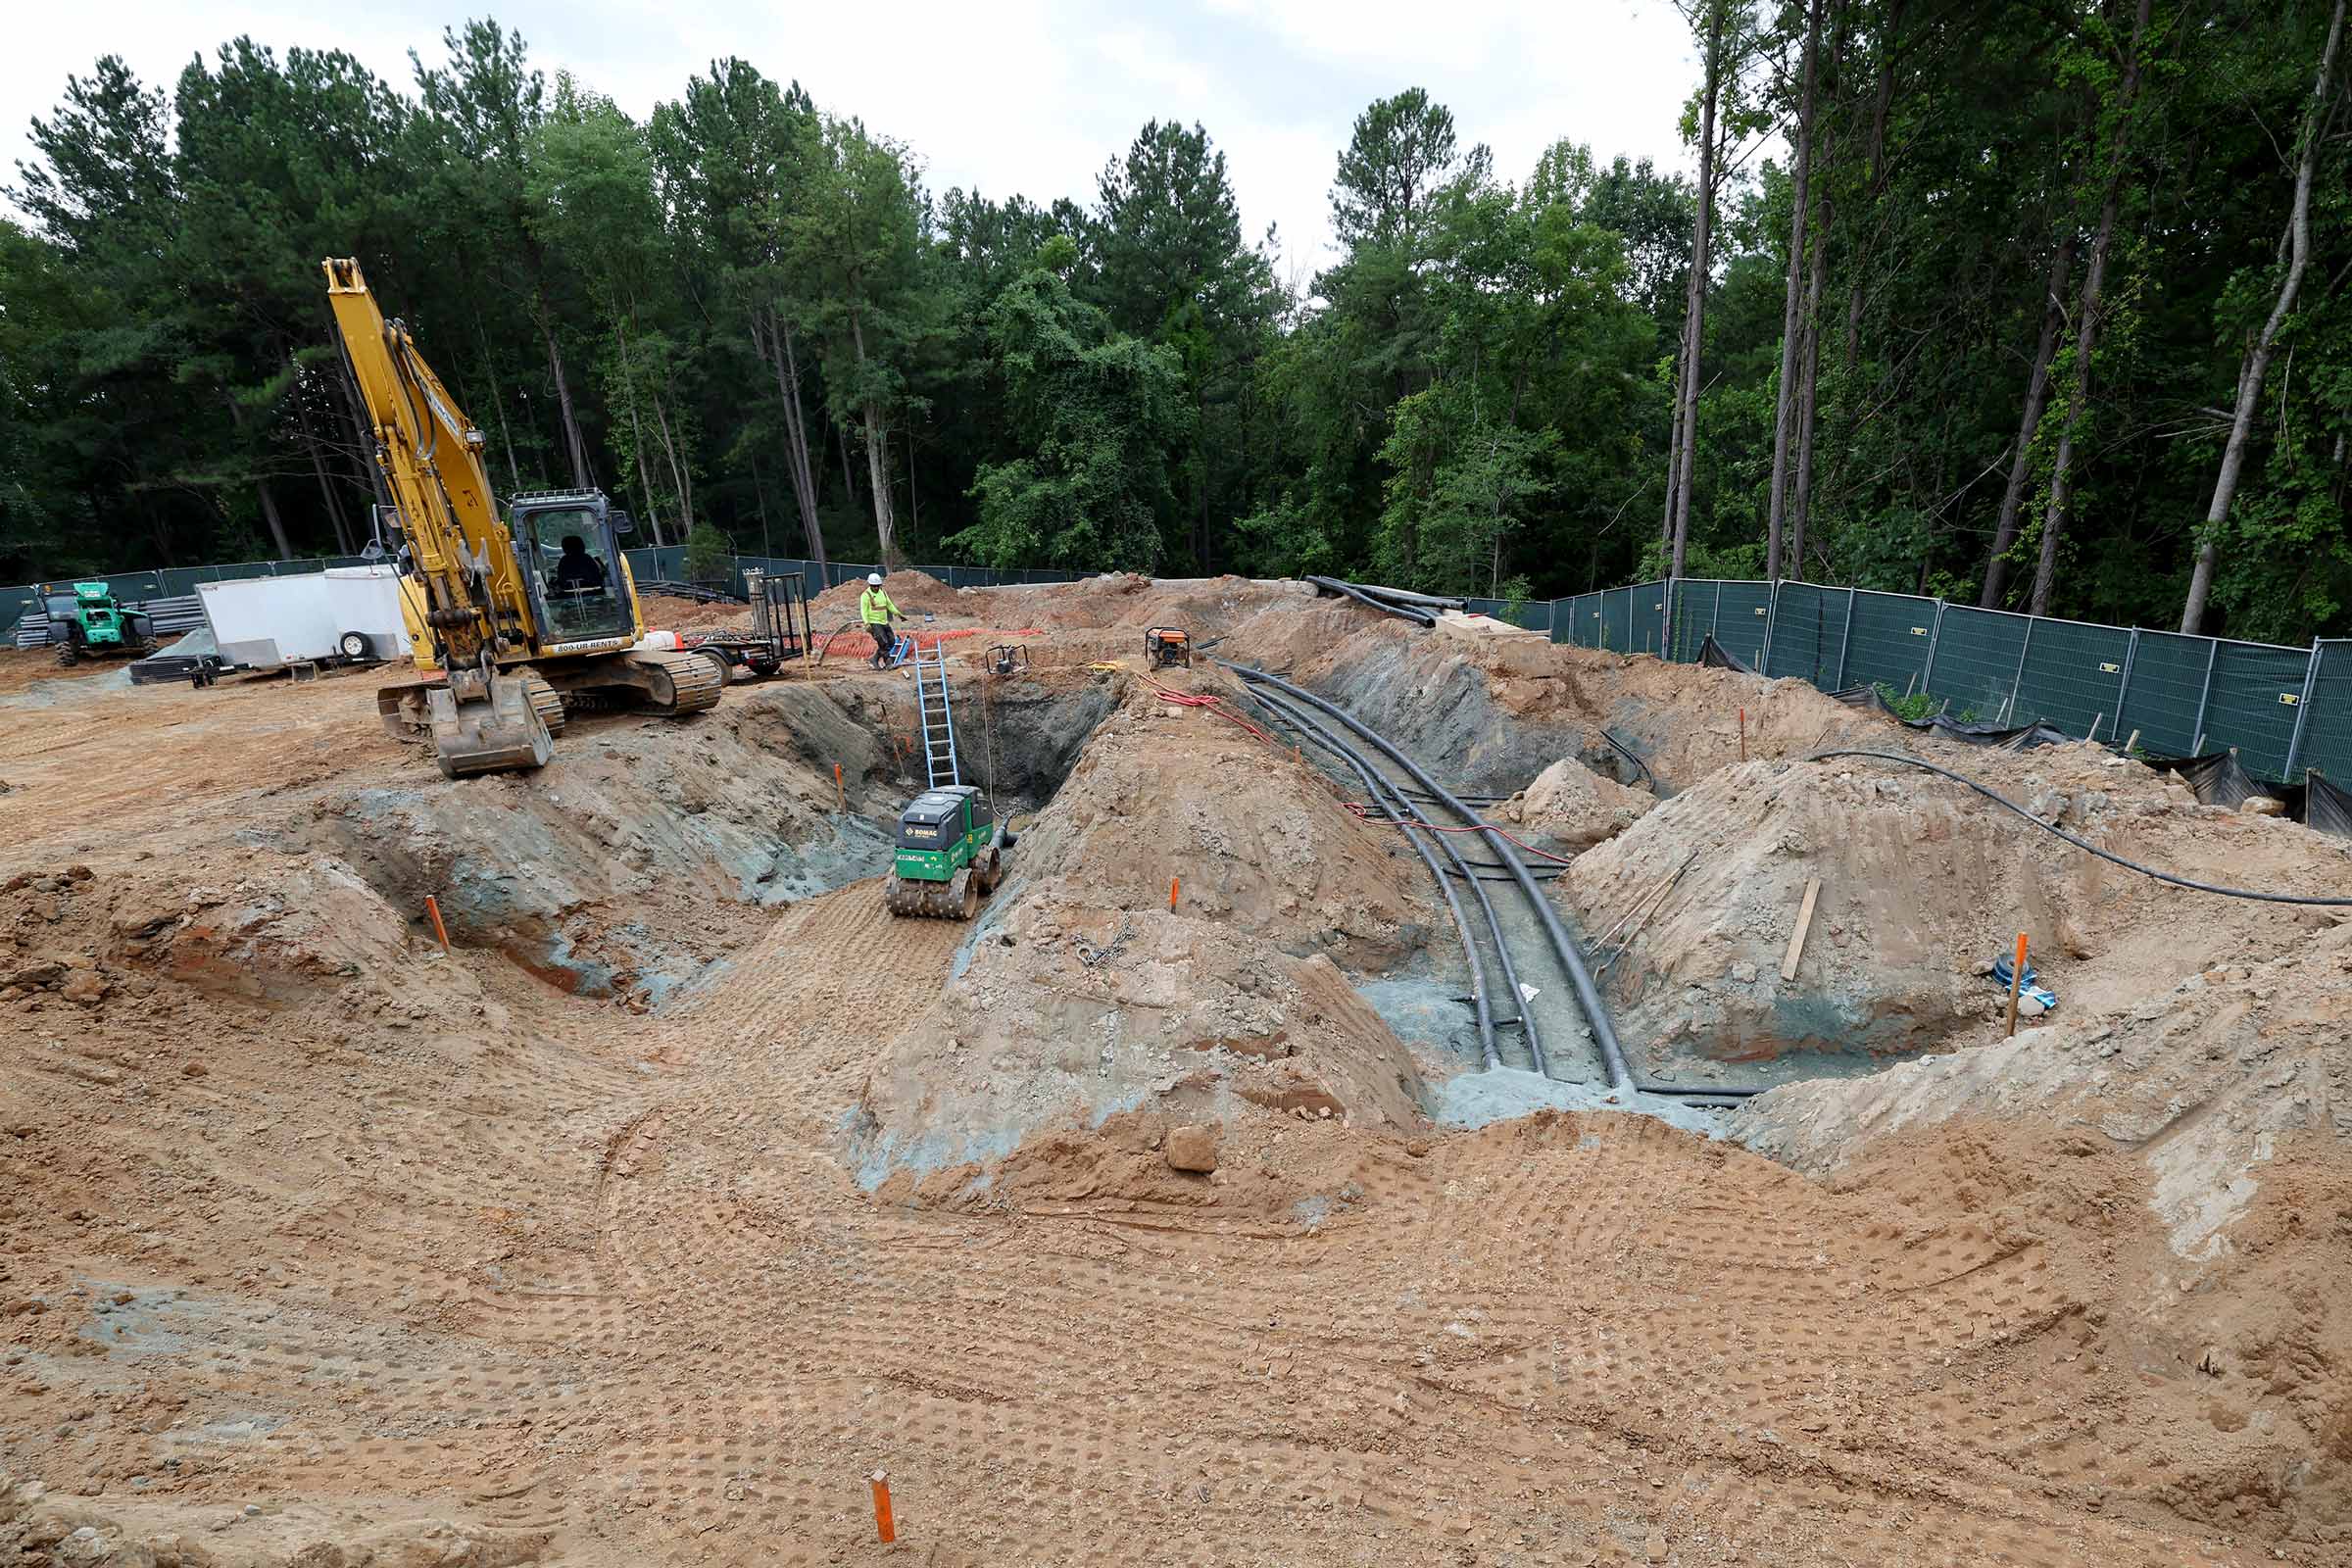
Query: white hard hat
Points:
[873, 579]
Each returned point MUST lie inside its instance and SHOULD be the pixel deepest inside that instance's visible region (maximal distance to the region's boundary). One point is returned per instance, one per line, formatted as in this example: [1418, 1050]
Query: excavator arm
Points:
[462, 577]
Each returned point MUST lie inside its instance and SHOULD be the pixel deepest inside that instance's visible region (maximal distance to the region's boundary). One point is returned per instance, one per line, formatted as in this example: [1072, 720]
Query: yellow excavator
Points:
[508, 621]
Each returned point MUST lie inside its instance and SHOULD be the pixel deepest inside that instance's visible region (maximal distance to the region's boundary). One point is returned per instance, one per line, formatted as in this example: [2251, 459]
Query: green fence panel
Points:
[1743, 619]
[2327, 722]
[2075, 677]
[1808, 629]
[1977, 658]
[1889, 642]
[2256, 691]
[1645, 618]
[2167, 692]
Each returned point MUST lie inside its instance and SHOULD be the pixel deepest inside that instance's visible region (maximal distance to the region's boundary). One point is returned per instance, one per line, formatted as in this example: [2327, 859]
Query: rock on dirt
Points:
[1576, 806]
[1193, 1148]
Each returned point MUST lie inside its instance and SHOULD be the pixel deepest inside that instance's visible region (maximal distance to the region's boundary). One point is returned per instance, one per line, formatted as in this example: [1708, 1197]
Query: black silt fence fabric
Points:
[1713, 655]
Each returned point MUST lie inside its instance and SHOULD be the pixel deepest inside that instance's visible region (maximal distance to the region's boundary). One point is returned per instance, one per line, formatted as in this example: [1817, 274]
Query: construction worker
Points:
[874, 607]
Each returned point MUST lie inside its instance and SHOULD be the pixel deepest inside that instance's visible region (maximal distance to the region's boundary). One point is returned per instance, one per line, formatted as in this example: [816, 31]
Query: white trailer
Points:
[344, 614]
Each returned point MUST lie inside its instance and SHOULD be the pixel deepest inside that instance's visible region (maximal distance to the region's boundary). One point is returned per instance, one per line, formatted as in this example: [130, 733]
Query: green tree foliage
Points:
[1094, 412]
[751, 319]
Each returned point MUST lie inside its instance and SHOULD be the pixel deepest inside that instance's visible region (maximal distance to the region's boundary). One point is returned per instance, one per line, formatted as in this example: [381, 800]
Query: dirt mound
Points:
[1081, 994]
[665, 613]
[1923, 883]
[1573, 805]
[916, 592]
[2230, 1100]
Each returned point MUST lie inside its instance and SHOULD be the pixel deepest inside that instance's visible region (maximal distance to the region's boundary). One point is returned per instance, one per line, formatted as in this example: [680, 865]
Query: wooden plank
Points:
[1804, 923]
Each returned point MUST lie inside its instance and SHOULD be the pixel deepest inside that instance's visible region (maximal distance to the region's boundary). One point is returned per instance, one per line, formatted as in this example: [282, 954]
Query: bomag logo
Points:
[914, 832]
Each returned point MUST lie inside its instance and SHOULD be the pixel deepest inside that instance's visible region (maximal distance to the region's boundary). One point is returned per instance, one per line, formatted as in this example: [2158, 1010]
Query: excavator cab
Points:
[569, 546]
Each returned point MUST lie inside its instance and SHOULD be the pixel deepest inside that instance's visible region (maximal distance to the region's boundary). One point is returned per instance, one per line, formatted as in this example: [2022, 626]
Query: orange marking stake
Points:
[885, 1525]
[2017, 981]
[1172, 881]
[432, 912]
[841, 801]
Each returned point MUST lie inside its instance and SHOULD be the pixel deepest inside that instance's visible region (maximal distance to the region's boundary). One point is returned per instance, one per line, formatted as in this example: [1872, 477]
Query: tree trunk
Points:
[1674, 439]
[785, 360]
[628, 395]
[760, 496]
[327, 486]
[1808, 387]
[571, 425]
[261, 486]
[1809, 395]
[849, 469]
[2038, 395]
[506, 436]
[877, 460]
[1792, 302]
[1881, 108]
[1696, 302]
[2087, 332]
[678, 474]
[2258, 357]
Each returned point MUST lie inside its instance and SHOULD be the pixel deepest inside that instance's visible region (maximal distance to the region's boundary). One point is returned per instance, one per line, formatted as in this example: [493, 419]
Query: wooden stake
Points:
[1804, 923]
[2017, 981]
[841, 801]
[2095, 722]
[2132, 745]
[886, 1525]
[1743, 734]
[432, 911]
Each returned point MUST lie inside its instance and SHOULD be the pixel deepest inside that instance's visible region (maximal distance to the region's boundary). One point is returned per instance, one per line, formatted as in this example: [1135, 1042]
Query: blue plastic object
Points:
[2001, 970]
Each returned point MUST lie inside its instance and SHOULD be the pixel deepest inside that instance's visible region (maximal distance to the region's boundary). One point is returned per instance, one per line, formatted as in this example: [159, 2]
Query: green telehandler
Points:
[86, 621]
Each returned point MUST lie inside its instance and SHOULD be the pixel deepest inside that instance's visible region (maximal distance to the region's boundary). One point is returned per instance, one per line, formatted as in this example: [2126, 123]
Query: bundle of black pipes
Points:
[1572, 961]
[1419, 617]
[1390, 800]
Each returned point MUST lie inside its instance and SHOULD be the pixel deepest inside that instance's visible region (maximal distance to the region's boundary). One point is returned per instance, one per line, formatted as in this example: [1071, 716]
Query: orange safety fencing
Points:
[860, 642]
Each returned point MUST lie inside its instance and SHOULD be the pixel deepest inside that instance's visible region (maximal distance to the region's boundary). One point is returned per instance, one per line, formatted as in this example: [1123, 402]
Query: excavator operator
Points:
[576, 570]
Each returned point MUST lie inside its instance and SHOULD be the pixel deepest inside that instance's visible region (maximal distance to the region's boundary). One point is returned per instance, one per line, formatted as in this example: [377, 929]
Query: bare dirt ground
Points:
[319, 1245]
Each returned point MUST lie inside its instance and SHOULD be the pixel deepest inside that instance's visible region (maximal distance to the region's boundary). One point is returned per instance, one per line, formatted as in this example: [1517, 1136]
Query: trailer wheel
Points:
[354, 646]
[721, 663]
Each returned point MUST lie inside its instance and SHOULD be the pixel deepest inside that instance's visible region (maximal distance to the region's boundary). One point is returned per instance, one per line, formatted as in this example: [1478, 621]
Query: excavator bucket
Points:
[500, 734]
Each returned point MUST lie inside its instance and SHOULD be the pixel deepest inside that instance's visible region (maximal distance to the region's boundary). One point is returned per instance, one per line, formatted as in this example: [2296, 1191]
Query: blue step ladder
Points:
[938, 722]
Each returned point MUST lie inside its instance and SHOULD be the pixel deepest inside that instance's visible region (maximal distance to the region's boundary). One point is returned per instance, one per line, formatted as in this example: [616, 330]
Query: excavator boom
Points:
[507, 616]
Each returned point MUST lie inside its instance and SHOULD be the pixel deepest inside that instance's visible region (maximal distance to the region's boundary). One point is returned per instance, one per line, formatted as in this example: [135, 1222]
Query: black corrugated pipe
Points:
[1453, 906]
[1529, 1030]
[1419, 617]
[1400, 596]
[1572, 963]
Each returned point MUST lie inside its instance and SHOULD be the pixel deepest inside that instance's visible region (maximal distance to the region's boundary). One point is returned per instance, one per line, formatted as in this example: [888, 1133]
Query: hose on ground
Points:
[2109, 856]
[1572, 963]
[1454, 905]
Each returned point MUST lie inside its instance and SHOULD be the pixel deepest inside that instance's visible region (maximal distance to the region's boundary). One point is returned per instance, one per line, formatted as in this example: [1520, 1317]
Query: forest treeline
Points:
[2038, 305]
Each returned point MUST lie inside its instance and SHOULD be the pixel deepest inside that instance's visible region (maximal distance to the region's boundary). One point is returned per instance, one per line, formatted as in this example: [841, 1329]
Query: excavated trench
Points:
[646, 852]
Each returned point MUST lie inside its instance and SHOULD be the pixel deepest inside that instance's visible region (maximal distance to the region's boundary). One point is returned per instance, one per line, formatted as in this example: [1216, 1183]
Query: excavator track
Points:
[546, 703]
[956, 899]
[694, 683]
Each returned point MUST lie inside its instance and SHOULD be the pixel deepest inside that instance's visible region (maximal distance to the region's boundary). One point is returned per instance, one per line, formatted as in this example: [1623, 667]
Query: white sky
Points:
[1026, 96]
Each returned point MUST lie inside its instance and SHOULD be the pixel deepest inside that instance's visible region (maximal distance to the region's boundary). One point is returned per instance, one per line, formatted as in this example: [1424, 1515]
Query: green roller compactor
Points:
[948, 855]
